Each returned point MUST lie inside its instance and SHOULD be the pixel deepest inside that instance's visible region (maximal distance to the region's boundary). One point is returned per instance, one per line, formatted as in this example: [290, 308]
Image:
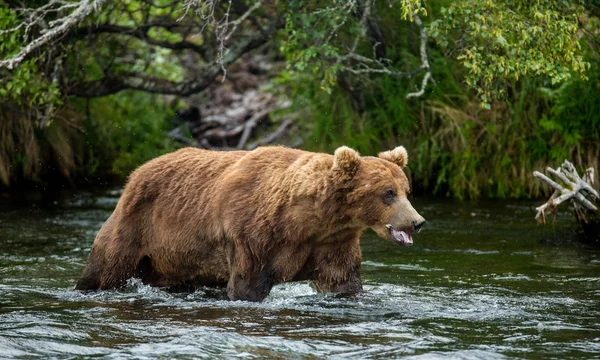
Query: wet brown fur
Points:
[248, 220]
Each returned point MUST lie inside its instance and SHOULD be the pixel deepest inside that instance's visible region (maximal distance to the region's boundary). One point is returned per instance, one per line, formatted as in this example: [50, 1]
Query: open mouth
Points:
[401, 237]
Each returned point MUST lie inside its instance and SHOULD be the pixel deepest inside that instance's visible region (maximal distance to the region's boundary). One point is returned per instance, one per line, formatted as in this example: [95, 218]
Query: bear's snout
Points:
[406, 218]
[403, 222]
[417, 225]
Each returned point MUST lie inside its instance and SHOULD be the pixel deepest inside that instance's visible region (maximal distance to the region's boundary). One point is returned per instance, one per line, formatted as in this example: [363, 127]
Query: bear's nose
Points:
[417, 225]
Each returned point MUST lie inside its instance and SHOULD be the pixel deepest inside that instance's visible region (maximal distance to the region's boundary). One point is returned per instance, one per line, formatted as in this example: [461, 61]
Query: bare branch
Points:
[221, 32]
[571, 190]
[272, 136]
[50, 104]
[132, 80]
[424, 59]
[363, 23]
[547, 180]
[206, 11]
[241, 19]
[177, 134]
[368, 65]
[360, 65]
[141, 33]
[250, 124]
[56, 29]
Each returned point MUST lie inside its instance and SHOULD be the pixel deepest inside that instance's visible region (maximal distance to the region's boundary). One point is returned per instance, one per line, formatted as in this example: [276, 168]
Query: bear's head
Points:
[375, 191]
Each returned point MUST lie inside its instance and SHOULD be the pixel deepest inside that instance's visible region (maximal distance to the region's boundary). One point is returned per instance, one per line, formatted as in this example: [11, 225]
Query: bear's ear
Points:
[346, 160]
[398, 156]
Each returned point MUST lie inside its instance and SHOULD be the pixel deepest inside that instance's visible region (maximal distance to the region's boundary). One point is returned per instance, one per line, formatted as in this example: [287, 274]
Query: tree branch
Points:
[142, 34]
[250, 124]
[132, 80]
[424, 59]
[379, 64]
[241, 19]
[57, 28]
[272, 136]
[377, 67]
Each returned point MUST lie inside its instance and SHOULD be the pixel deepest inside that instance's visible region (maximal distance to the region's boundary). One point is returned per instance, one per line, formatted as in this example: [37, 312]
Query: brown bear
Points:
[249, 220]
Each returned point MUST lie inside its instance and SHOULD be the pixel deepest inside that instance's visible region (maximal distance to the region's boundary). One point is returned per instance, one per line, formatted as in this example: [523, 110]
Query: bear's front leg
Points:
[337, 267]
[250, 278]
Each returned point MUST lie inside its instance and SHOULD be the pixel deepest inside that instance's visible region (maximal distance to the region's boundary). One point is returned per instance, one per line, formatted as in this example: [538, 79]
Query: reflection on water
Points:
[482, 282]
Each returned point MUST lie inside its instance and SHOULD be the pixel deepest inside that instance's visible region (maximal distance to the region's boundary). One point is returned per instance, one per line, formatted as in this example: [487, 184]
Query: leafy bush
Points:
[123, 131]
[459, 149]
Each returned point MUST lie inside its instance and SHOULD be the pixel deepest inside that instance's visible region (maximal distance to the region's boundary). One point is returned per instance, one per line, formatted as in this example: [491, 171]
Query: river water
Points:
[482, 281]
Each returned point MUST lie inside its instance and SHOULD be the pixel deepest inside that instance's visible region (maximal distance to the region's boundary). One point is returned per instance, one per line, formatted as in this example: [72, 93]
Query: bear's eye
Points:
[388, 197]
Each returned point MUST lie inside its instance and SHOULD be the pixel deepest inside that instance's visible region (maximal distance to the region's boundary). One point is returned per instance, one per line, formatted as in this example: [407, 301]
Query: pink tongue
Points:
[402, 237]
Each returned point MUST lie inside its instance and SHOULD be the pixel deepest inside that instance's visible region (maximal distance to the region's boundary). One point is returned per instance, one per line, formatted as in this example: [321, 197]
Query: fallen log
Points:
[579, 191]
[235, 111]
[272, 136]
[250, 124]
[177, 134]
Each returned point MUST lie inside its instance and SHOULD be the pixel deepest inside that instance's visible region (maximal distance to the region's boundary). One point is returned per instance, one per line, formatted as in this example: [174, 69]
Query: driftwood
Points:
[578, 190]
[272, 137]
[233, 113]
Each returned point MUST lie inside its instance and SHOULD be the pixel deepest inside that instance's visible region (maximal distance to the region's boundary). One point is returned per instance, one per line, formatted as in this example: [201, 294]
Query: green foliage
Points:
[336, 34]
[575, 117]
[312, 51]
[511, 54]
[457, 148]
[120, 133]
[46, 138]
[333, 121]
[26, 85]
[124, 131]
[510, 40]
[37, 132]
[496, 41]
[408, 8]
[117, 50]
